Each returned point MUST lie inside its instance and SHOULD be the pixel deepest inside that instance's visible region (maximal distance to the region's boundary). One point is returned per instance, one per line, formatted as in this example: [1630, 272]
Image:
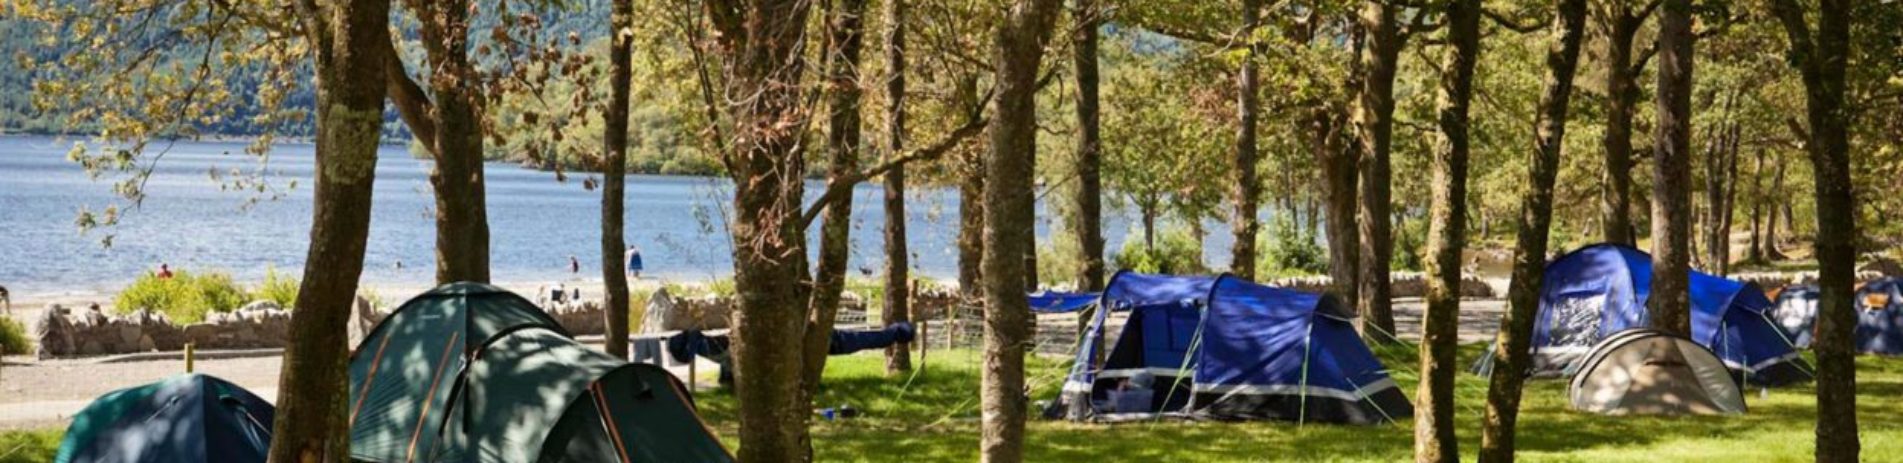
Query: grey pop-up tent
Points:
[471, 372]
[1650, 372]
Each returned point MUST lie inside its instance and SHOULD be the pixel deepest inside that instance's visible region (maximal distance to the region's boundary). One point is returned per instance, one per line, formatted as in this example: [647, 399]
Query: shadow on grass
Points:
[935, 418]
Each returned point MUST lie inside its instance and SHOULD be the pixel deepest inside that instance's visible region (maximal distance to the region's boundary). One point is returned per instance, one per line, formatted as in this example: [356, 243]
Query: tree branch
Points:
[1645, 11]
[839, 188]
[1512, 25]
[411, 102]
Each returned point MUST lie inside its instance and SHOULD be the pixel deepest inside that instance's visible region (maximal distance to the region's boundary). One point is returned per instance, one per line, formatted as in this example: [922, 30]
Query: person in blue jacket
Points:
[634, 262]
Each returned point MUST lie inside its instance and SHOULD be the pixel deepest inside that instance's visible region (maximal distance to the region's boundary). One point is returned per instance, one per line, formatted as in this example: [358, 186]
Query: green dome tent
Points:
[189, 417]
[472, 372]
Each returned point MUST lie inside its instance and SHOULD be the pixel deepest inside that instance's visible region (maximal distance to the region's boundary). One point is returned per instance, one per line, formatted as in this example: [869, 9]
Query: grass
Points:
[932, 415]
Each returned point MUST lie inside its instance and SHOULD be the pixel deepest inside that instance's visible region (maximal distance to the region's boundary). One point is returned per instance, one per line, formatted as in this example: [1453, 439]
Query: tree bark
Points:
[1671, 197]
[971, 207]
[348, 41]
[1344, 249]
[898, 279]
[1512, 347]
[845, 39]
[1009, 215]
[759, 43]
[1248, 189]
[1821, 60]
[1771, 253]
[1717, 183]
[1446, 230]
[614, 179]
[448, 122]
[1754, 253]
[1622, 94]
[1374, 123]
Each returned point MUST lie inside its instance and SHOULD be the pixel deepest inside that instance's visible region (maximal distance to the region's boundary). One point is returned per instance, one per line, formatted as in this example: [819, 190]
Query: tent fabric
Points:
[1062, 302]
[471, 372]
[190, 417]
[1880, 317]
[1235, 351]
[1597, 290]
[845, 342]
[1796, 311]
[1650, 372]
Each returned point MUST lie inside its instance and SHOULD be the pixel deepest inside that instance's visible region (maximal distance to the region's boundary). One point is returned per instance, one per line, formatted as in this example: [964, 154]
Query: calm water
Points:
[535, 222]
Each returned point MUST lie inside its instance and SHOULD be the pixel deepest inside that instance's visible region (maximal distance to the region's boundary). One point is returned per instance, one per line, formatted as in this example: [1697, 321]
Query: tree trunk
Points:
[1248, 190]
[614, 179]
[1009, 214]
[1771, 253]
[1344, 249]
[1622, 94]
[1511, 350]
[1717, 182]
[759, 43]
[1671, 196]
[1374, 123]
[1821, 59]
[1446, 231]
[1755, 252]
[348, 41]
[1730, 201]
[845, 39]
[971, 207]
[462, 222]
[1089, 226]
[898, 279]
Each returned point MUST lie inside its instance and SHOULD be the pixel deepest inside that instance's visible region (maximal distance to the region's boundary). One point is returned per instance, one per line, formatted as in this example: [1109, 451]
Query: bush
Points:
[277, 287]
[1059, 258]
[13, 338]
[1176, 252]
[185, 297]
[1290, 250]
[1410, 246]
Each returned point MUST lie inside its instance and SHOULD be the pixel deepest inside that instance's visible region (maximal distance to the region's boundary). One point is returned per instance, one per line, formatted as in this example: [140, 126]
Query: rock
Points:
[146, 344]
[261, 305]
[129, 335]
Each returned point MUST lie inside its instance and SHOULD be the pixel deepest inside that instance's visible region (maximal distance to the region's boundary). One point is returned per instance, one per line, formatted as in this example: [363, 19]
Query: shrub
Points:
[13, 338]
[277, 287]
[1059, 258]
[1410, 246]
[185, 297]
[1290, 250]
[1176, 252]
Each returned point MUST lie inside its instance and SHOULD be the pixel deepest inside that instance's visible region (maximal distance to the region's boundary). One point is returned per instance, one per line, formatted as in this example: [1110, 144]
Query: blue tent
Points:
[1880, 317]
[1062, 302]
[1228, 349]
[189, 417]
[1602, 289]
[1796, 311]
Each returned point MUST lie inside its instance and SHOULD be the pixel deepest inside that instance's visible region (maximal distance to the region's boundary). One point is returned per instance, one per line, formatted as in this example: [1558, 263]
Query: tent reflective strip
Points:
[435, 380]
[687, 399]
[608, 421]
[1308, 345]
[364, 392]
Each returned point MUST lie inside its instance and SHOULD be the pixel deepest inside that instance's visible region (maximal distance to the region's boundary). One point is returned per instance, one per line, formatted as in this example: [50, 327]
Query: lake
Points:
[536, 222]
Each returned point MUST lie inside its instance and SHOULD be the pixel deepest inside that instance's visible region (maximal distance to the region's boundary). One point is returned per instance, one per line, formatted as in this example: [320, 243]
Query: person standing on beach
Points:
[165, 271]
[574, 265]
[634, 262]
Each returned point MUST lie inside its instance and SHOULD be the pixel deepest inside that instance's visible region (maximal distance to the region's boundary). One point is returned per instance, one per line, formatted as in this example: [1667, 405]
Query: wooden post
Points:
[189, 348]
[692, 377]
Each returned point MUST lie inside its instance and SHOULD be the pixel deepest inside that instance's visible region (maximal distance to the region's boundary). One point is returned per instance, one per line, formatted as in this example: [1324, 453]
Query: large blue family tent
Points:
[1062, 302]
[1880, 317]
[1796, 311]
[189, 417]
[1224, 348]
[1601, 289]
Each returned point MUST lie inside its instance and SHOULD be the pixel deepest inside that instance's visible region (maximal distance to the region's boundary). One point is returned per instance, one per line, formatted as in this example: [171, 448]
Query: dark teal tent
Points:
[188, 417]
[472, 372]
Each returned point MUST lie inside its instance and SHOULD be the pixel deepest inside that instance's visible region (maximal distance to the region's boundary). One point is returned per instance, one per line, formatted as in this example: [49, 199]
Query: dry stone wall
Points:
[65, 333]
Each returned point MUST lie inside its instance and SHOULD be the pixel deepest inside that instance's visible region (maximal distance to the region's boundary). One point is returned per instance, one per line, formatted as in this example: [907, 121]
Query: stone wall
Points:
[64, 332]
[1401, 284]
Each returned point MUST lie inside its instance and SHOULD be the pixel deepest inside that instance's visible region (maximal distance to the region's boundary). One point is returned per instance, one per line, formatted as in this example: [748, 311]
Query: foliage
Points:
[1059, 257]
[186, 297]
[1410, 245]
[1291, 250]
[13, 337]
[277, 287]
[1176, 251]
[30, 446]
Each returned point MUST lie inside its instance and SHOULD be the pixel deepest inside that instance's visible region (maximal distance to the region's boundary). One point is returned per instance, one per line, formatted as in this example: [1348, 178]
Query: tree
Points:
[1512, 347]
[1089, 191]
[1248, 189]
[1820, 57]
[1434, 415]
[1374, 122]
[845, 40]
[1009, 215]
[898, 289]
[346, 40]
[1670, 304]
[1621, 27]
[614, 179]
[447, 120]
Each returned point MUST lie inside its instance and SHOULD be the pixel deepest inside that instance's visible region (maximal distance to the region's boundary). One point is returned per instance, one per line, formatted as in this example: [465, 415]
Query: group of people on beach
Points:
[632, 258]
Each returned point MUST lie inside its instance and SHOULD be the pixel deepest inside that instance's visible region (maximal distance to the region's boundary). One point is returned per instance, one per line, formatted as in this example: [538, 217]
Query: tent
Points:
[472, 372]
[1597, 290]
[1649, 372]
[1227, 349]
[1062, 302]
[1880, 317]
[190, 417]
[1796, 311]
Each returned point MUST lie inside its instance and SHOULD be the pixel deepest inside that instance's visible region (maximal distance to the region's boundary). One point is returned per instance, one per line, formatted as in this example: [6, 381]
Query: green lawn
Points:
[932, 416]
